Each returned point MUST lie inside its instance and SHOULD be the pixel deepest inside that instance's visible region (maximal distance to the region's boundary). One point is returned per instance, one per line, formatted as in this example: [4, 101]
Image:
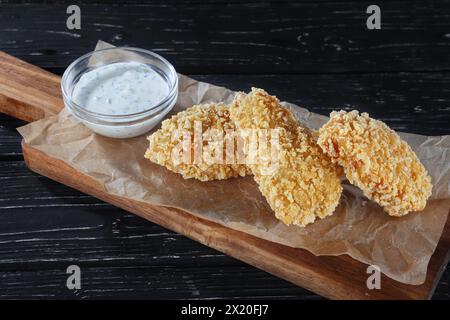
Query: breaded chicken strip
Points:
[376, 160]
[304, 184]
[167, 143]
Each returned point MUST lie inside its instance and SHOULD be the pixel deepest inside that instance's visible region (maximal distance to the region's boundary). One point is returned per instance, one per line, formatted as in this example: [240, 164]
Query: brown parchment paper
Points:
[401, 247]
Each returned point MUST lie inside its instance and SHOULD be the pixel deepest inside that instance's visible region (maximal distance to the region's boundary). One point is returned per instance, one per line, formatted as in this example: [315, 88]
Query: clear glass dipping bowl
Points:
[126, 125]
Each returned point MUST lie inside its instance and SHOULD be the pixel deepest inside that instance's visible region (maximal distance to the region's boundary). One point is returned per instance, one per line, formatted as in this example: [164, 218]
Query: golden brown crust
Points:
[163, 143]
[376, 160]
[305, 184]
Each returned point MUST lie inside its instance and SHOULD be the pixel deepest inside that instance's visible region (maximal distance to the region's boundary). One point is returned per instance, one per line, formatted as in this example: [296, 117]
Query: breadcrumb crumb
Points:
[163, 144]
[305, 183]
[376, 160]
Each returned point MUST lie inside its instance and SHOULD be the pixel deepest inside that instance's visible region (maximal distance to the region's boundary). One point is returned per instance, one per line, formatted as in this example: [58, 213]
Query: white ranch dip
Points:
[120, 88]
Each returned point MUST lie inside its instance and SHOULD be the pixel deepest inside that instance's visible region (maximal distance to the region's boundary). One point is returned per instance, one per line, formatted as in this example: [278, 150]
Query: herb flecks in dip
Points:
[120, 88]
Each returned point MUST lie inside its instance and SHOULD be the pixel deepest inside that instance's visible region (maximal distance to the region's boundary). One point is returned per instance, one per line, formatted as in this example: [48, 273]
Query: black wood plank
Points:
[9, 138]
[410, 102]
[305, 37]
[146, 282]
[47, 226]
[443, 288]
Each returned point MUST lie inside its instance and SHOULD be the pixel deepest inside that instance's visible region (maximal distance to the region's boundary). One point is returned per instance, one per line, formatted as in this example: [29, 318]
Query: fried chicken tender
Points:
[304, 184]
[376, 160]
[165, 147]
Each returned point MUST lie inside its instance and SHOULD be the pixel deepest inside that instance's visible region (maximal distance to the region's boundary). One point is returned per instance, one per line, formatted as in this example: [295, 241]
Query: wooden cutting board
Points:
[30, 93]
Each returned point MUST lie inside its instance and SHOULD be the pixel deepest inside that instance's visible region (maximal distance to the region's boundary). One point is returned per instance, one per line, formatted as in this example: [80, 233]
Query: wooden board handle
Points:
[28, 92]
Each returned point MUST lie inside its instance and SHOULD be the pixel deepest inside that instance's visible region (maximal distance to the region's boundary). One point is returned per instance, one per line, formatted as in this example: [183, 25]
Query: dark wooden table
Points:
[317, 54]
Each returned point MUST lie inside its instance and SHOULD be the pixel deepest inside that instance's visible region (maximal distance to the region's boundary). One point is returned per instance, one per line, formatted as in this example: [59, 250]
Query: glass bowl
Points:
[123, 125]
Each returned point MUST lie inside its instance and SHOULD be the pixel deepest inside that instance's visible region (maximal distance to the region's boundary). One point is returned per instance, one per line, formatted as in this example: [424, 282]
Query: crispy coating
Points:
[163, 144]
[304, 184]
[376, 160]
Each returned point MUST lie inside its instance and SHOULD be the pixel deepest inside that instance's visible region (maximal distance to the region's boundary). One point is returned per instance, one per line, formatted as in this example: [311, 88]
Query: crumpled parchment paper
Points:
[401, 247]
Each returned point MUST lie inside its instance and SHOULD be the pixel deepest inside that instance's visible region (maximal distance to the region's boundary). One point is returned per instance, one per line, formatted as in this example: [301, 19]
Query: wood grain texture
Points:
[239, 37]
[42, 220]
[9, 138]
[47, 226]
[338, 277]
[51, 226]
[318, 274]
[27, 92]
